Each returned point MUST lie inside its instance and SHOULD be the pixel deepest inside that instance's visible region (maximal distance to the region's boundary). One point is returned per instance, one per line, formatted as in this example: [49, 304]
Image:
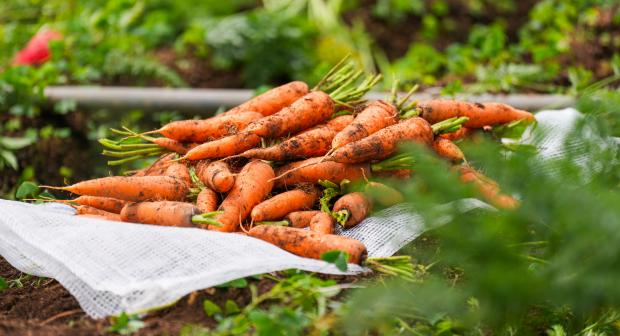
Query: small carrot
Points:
[310, 143]
[479, 114]
[224, 147]
[273, 100]
[102, 203]
[377, 115]
[173, 145]
[279, 205]
[350, 209]
[312, 170]
[252, 185]
[488, 188]
[300, 219]
[216, 175]
[88, 210]
[164, 213]
[323, 223]
[132, 188]
[309, 244]
[448, 149]
[207, 129]
[207, 201]
[456, 135]
[179, 171]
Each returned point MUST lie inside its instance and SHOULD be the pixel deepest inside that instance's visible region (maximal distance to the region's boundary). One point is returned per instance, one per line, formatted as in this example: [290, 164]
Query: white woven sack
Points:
[114, 267]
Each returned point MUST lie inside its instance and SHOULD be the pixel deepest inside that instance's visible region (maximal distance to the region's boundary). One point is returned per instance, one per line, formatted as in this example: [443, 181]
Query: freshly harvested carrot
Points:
[456, 135]
[323, 223]
[158, 167]
[164, 213]
[224, 147]
[310, 110]
[384, 142]
[313, 142]
[180, 171]
[377, 115]
[383, 195]
[479, 114]
[302, 198]
[88, 210]
[448, 149]
[207, 200]
[207, 129]
[300, 219]
[173, 145]
[273, 100]
[131, 188]
[309, 244]
[102, 203]
[252, 185]
[312, 170]
[216, 175]
[488, 188]
[351, 209]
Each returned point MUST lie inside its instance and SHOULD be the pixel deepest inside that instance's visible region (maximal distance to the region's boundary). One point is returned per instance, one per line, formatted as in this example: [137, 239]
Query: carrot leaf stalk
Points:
[399, 161]
[398, 266]
[277, 223]
[449, 125]
[207, 218]
[125, 160]
[331, 190]
[341, 216]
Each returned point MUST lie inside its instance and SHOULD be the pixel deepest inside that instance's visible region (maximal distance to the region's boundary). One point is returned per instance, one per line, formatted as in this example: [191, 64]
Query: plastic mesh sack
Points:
[114, 267]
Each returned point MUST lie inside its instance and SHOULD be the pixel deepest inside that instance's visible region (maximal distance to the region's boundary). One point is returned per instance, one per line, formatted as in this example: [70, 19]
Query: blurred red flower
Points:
[37, 50]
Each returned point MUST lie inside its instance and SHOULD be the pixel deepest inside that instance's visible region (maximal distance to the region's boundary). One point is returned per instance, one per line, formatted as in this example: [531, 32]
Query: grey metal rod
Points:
[206, 101]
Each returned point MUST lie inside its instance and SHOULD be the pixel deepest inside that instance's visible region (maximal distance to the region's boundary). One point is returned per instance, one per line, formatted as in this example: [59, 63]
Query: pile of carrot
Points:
[277, 167]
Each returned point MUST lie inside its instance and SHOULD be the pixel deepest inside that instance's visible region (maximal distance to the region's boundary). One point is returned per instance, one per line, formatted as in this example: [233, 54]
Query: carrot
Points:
[158, 167]
[279, 205]
[323, 223]
[312, 170]
[273, 100]
[88, 210]
[300, 219]
[479, 114]
[307, 111]
[456, 135]
[224, 147]
[488, 188]
[252, 185]
[207, 200]
[216, 175]
[313, 142]
[447, 149]
[377, 115]
[164, 213]
[173, 145]
[351, 209]
[384, 142]
[207, 129]
[309, 244]
[179, 171]
[102, 203]
[132, 188]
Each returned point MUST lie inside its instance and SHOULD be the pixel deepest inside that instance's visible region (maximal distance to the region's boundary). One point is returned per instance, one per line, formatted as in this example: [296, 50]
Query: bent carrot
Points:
[252, 185]
[88, 210]
[448, 149]
[312, 170]
[479, 114]
[351, 209]
[377, 115]
[300, 219]
[131, 188]
[207, 200]
[488, 188]
[164, 213]
[102, 203]
[179, 171]
[216, 175]
[207, 129]
[224, 147]
[273, 100]
[279, 205]
[309, 244]
[323, 223]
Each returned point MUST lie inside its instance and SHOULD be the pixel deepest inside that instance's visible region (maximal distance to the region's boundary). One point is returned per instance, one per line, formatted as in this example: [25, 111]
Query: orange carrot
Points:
[102, 203]
[313, 142]
[309, 244]
[88, 210]
[312, 109]
[352, 209]
[447, 149]
[323, 223]
[180, 171]
[273, 100]
[252, 185]
[479, 114]
[384, 142]
[172, 145]
[377, 115]
[207, 200]
[300, 219]
[216, 175]
[207, 129]
[164, 213]
[458, 134]
[488, 188]
[132, 188]
[312, 170]
[224, 147]
[279, 205]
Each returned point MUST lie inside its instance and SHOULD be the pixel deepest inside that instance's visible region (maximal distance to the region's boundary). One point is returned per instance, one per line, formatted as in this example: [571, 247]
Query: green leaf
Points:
[15, 143]
[338, 258]
[210, 308]
[27, 190]
[230, 307]
[3, 284]
[125, 324]
[65, 106]
[237, 283]
[9, 158]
